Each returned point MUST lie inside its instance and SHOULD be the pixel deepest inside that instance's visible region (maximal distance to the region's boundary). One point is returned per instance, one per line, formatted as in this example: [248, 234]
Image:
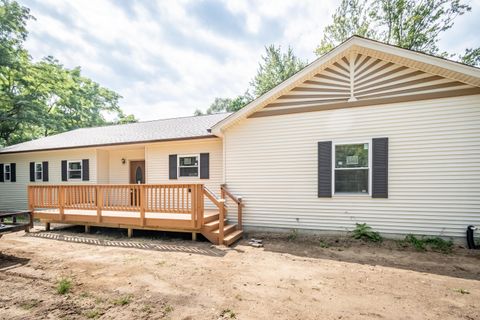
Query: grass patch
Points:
[27, 305]
[122, 301]
[293, 235]
[462, 291]
[227, 313]
[168, 308]
[92, 314]
[432, 243]
[64, 286]
[363, 231]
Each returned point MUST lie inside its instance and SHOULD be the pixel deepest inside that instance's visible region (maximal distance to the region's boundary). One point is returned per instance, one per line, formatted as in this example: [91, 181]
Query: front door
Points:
[137, 172]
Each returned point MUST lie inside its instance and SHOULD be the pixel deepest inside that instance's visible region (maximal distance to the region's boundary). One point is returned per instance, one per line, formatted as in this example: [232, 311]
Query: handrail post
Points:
[240, 213]
[142, 205]
[99, 202]
[201, 213]
[221, 222]
[61, 202]
[30, 205]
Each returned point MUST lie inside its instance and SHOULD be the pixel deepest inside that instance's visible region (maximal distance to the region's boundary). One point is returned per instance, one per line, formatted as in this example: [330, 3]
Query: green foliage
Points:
[365, 232]
[274, 68]
[462, 291]
[410, 24]
[434, 243]
[471, 57]
[124, 300]
[44, 98]
[64, 286]
[293, 235]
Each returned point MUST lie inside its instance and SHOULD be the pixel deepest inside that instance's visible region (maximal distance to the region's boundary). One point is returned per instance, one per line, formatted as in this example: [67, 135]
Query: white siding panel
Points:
[434, 172]
[120, 172]
[157, 161]
[103, 173]
[13, 195]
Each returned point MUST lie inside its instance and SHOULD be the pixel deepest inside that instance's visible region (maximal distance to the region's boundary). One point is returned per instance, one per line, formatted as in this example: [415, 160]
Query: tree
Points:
[274, 68]
[410, 24]
[43, 98]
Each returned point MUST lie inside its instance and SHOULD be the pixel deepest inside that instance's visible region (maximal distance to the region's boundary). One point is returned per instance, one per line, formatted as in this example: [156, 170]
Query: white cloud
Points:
[161, 58]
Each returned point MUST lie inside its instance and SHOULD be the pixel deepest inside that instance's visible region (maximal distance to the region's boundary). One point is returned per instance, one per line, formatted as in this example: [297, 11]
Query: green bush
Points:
[64, 286]
[433, 243]
[364, 232]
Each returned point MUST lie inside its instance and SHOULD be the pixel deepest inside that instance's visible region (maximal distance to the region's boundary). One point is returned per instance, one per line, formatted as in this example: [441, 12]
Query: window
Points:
[8, 172]
[38, 171]
[351, 168]
[188, 166]
[74, 170]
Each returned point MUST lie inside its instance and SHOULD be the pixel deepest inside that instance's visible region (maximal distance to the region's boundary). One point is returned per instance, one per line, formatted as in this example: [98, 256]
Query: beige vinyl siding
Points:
[157, 161]
[119, 172]
[13, 195]
[434, 172]
[103, 173]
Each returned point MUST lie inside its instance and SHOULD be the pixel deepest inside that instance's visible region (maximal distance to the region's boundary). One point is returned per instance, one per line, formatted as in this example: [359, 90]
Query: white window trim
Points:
[35, 171]
[68, 170]
[355, 194]
[5, 172]
[186, 156]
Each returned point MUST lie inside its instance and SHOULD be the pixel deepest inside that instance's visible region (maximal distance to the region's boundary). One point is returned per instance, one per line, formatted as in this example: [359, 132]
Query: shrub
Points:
[364, 232]
[64, 286]
[434, 243]
[292, 236]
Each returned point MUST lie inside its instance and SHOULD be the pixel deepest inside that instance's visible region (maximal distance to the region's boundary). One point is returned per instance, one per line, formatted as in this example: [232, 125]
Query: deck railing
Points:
[141, 198]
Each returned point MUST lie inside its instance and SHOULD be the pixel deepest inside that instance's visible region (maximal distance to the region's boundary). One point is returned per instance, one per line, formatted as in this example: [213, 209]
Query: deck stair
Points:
[213, 224]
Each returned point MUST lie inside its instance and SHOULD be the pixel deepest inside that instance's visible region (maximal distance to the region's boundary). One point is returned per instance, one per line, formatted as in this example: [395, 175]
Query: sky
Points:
[168, 58]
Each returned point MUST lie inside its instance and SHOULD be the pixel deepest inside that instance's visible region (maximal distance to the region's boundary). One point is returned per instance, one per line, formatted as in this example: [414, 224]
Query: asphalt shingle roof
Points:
[157, 130]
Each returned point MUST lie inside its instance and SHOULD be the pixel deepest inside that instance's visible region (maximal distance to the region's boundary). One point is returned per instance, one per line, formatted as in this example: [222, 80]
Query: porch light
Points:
[123, 160]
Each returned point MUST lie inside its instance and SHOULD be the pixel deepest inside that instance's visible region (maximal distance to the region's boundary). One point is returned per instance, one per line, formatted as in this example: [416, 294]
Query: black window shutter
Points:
[2, 173]
[172, 166]
[380, 168]
[204, 165]
[64, 170]
[32, 171]
[85, 170]
[45, 170]
[325, 169]
[13, 172]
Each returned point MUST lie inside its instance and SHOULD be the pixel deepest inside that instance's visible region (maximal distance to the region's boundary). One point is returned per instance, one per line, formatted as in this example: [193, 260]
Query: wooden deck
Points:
[170, 207]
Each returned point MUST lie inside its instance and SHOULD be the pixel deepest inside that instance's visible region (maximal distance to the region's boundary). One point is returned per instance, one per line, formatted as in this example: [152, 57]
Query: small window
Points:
[351, 168]
[188, 166]
[7, 173]
[74, 170]
[38, 171]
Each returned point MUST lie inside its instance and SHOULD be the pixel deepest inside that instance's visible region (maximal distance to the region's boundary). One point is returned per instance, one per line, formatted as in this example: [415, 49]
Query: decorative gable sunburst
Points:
[361, 80]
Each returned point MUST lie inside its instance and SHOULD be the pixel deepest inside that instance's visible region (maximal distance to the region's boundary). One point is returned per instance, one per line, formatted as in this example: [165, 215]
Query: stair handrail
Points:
[238, 200]
[220, 203]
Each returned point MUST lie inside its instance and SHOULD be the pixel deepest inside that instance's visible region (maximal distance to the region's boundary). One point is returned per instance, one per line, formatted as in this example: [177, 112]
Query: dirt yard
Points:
[304, 278]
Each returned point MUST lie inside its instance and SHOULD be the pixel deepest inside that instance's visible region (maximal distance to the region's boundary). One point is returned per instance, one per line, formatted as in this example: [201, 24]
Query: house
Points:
[367, 133]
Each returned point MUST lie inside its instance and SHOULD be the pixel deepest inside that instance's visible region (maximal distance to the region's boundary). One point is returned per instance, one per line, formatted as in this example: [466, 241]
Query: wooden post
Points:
[194, 236]
[221, 222]
[47, 226]
[130, 232]
[61, 201]
[99, 202]
[30, 207]
[142, 205]
[240, 214]
[201, 205]
[87, 229]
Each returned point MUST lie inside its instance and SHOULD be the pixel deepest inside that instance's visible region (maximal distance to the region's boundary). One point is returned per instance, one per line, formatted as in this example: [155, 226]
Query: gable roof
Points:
[194, 127]
[355, 46]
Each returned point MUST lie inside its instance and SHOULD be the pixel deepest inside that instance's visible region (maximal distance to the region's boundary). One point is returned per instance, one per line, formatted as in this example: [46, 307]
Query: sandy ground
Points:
[299, 279]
